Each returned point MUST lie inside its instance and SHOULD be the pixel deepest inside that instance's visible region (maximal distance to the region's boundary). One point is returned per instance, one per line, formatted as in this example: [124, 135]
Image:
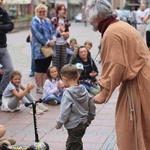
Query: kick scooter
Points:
[38, 145]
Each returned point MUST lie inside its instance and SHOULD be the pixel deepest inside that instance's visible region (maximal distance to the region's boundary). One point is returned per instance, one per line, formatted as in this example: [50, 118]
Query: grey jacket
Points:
[76, 107]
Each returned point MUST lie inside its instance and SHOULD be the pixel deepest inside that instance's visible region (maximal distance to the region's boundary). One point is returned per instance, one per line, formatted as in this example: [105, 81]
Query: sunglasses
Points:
[42, 12]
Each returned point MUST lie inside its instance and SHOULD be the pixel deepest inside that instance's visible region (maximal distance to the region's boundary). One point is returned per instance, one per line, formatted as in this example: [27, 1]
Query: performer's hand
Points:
[100, 98]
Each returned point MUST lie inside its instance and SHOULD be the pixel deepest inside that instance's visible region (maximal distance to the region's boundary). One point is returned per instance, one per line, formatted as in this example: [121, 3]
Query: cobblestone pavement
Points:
[19, 125]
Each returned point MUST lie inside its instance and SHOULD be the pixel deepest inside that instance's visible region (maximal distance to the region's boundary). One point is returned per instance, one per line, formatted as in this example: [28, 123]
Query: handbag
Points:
[47, 51]
[28, 39]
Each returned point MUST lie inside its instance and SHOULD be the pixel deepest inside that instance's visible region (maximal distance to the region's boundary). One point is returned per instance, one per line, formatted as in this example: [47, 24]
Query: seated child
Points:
[75, 53]
[12, 96]
[93, 88]
[70, 49]
[88, 45]
[7, 141]
[53, 87]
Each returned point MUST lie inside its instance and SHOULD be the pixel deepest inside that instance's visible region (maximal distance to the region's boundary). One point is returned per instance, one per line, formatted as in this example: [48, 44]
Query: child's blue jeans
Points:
[52, 97]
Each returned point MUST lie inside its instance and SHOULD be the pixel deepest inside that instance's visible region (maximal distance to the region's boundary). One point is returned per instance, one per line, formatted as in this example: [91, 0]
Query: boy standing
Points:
[77, 109]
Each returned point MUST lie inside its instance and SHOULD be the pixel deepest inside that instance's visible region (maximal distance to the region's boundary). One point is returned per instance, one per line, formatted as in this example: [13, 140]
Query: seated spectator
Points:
[53, 87]
[88, 45]
[75, 54]
[88, 76]
[70, 49]
[12, 95]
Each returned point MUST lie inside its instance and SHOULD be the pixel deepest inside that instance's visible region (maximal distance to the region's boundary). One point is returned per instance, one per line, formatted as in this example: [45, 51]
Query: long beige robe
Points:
[126, 62]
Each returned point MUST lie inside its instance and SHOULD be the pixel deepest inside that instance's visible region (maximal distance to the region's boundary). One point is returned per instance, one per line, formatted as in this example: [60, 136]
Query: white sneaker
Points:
[39, 90]
[38, 111]
[42, 107]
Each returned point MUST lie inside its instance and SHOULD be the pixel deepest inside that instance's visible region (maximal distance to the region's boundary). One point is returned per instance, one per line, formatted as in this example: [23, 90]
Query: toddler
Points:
[77, 109]
[93, 88]
[15, 93]
[53, 87]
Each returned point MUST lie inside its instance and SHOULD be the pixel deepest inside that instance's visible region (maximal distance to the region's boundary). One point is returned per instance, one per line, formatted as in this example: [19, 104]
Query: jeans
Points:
[74, 141]
[32, 62]
[6, 61]
[52, 97]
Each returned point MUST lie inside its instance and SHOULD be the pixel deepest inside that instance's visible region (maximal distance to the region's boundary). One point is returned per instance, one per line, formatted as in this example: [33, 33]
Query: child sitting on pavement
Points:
[12, 96]
[53, 87]
[70, 49]
[6, 141]
[77, 109]
[94, 88]
[88, 45]
[75, 53]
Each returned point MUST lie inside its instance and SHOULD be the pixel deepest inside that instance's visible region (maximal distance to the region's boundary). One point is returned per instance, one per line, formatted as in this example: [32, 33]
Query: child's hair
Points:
[70, 71]
[89, 43]
[73, 39]
[48, 72]
[13, 74]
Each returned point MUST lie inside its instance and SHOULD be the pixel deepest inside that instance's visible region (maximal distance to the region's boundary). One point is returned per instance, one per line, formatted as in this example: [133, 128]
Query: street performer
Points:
[125, 62]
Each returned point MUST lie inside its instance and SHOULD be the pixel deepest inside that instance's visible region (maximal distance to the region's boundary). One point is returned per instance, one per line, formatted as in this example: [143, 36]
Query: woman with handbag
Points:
[43, 34]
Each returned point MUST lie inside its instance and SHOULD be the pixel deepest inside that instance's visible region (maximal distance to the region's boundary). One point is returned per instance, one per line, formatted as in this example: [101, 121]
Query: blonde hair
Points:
[39, 7]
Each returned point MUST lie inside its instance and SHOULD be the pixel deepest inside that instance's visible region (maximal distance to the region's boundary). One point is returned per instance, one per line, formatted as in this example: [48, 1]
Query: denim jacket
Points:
[41, 35]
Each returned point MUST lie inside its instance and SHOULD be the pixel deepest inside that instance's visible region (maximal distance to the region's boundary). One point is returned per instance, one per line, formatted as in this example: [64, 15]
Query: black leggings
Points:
[41, 65]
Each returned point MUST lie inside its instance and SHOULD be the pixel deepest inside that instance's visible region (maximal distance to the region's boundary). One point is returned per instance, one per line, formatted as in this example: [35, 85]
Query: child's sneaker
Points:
[42, 107]
[39, 90]
[53, 102]
[38, 111]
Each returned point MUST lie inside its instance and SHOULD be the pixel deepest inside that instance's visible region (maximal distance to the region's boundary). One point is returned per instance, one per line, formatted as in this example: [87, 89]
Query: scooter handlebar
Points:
[34, 102]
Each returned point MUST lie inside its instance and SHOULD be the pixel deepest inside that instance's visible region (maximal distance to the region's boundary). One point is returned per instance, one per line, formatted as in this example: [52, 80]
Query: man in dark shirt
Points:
[6, 25]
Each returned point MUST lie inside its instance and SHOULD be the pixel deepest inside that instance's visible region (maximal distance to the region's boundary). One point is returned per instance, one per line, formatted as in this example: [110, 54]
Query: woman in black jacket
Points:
[88, 75]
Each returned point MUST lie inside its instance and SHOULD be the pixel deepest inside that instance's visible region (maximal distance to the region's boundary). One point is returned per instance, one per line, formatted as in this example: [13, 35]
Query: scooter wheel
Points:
[47, 146]
[31, 148]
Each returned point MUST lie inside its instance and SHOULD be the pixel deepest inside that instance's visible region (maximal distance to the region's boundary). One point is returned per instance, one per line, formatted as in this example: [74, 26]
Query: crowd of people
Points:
[69, 76]
[140, 19]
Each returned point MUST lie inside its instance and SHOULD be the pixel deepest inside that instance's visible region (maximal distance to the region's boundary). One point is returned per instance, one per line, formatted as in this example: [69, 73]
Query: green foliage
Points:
[27, 17]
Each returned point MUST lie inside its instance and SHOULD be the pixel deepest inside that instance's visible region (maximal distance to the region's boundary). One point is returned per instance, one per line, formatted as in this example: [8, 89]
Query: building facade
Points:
[17, 8]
